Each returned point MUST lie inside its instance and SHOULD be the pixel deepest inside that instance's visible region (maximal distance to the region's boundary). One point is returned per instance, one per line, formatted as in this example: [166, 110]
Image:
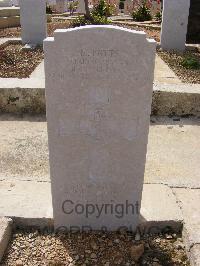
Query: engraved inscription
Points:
[97, 61]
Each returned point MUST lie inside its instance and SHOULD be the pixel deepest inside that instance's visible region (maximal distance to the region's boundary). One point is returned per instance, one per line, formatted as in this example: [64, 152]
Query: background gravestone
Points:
[81, 7]
[98, 91]
[174, 24]
[60, 6]
[193, 34]
[33, 21]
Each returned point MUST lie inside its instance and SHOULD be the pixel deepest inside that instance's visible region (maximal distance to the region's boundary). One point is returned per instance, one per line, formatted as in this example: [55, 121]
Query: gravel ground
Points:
[100, 249]
[16, 32]
[17, 63]
[151, 33]
[174, 60]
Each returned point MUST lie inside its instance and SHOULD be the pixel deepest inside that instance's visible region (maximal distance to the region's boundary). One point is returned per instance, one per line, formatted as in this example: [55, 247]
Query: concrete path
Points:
[164, 74]
[173, 151]
[4, 40]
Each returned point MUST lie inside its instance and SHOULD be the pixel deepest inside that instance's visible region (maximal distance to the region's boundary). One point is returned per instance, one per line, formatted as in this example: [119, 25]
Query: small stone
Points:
[156, 264]
[94, 245]
[19, 263]
[88, 251]
[77, 257]
[93, 256]
[137, 237]
[169, 237]
[110, 243]
[70, 259]
[117, 241]
[136, 251]
[179, 245]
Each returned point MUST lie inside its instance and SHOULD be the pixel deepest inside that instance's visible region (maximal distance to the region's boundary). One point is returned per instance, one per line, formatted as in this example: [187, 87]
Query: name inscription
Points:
[97, 61]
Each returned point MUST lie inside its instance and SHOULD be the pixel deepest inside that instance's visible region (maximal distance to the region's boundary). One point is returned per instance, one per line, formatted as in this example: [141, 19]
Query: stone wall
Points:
[193, 35]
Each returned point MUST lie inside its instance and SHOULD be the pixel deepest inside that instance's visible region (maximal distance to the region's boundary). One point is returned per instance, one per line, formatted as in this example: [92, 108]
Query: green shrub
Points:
[80, 21]
[121, 5]
[48, 9]
[94, 20]
[72, 6]
[98, 16]
[102, 9]
[190, 63]
[142, 13]
[158, 16]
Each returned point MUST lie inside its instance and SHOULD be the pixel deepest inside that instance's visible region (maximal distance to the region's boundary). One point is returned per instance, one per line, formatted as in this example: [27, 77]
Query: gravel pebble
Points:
[174, 60]
[17, 63]
[100, 249]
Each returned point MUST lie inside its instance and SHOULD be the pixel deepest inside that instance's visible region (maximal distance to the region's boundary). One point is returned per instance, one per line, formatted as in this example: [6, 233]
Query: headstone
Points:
[115, 6]
[33, 21]
[128, 7]
[81, 7]
[193, 32]
[155, 7]
[60, 6]
[174, 24]
[98, 92]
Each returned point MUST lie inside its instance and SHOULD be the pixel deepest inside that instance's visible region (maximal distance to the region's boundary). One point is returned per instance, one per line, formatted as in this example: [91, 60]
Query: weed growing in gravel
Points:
[191, 63]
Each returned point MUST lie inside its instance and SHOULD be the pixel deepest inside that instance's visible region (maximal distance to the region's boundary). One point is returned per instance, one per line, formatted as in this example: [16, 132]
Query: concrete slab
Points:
[5, 234]
[24, 199]
[28, 96]
[172, 146]
[39, 71]
[164, 74]
[195, 255]
[3, 41]
[24, 149]
[30, 201]
[188, 201]
[154, 208]
[28, 83]
[173, 152]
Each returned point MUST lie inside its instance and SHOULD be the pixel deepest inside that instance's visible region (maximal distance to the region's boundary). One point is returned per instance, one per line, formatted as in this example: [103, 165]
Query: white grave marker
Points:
[33, 21]
[60, 6]
[81, 7]
[174, 24]
[99, 83]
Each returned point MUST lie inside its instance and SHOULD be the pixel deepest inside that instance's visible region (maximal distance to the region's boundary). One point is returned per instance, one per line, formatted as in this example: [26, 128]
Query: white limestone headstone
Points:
[60, 6]
[81, 7]
[155, 7]
[174, 24]
[99, 83]
[33, 21]
[128, 7]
